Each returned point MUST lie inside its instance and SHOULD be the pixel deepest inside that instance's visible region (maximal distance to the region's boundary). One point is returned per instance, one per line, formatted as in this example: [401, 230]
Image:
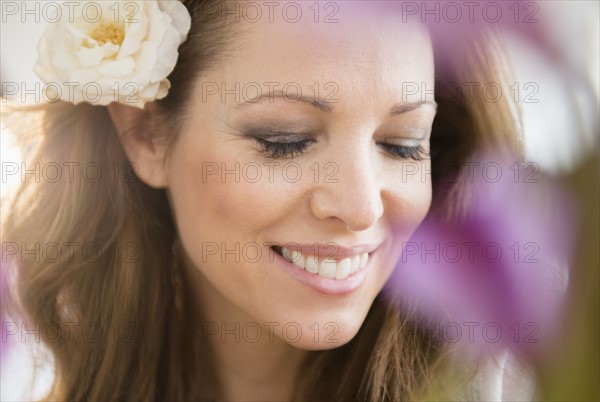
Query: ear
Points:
[143, 147]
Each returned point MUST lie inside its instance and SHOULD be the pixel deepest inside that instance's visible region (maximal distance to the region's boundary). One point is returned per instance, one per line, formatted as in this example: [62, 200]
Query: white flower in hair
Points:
[112, 51]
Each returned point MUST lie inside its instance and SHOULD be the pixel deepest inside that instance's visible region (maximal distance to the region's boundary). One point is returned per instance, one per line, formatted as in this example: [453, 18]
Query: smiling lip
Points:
[329, 250]
[325, 280]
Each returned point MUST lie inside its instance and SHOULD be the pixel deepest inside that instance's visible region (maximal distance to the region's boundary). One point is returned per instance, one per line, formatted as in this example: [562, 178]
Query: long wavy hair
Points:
[132, 299]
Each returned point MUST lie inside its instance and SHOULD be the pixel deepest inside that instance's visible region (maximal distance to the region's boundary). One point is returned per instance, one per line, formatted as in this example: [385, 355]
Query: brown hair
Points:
[130, 289]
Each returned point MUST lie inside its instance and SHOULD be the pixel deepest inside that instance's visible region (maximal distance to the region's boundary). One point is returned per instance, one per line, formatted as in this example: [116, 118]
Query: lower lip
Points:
[328, 286]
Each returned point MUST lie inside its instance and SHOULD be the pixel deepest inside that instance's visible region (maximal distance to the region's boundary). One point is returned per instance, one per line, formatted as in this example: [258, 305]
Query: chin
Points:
[322, 332]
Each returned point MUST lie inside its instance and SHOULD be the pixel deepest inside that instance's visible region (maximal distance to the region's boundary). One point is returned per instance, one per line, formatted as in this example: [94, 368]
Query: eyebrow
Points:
[293, 98]
[401, 108]
[325, 106]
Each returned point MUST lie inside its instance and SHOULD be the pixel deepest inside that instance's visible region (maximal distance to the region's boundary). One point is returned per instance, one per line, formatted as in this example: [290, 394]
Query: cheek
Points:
[222, 213]
[406, 203]
[214, 194]
[410, 196]
[218, 214]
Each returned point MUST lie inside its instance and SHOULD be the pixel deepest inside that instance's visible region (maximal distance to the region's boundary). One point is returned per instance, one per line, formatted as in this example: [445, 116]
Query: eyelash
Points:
[417, 153]
[278, 150]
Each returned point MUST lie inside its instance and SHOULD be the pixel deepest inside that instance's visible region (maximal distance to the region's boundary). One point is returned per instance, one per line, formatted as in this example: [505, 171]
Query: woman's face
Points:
[302, 144]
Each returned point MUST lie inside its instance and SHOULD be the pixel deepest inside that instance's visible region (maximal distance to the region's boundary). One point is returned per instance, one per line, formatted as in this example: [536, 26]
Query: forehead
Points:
[366, 49]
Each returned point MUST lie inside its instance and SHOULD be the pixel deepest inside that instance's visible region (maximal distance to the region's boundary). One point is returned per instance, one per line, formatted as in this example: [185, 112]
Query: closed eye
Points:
[278, 150]
[416, 153]
[290, 149]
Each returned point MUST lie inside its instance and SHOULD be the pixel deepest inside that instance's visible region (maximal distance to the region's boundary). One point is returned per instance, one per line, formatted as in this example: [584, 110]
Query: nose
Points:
[352, 196]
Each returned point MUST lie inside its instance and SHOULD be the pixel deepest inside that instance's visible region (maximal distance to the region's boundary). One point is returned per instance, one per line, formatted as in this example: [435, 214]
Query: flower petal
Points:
[146, 58]
[89, 57]
[117, 68]
[135, 33]
[179, 15]
[167, 55]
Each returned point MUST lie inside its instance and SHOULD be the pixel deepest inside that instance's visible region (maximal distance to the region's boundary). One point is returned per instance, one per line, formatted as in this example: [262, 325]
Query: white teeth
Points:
[363, 260]
[287, 254]
[355, 264]
[328, 268]
[312, 265]
[343, 268]
[298, 259]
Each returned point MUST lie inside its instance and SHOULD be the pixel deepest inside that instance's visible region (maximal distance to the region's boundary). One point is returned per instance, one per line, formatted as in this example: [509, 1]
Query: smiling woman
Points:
[269, 206]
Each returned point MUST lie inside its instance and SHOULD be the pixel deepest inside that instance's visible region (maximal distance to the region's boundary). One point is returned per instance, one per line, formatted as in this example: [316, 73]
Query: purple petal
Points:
[493, 276]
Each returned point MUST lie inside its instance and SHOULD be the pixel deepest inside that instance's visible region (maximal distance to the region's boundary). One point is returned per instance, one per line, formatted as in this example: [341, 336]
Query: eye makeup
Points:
[285, 139]
[279, 144]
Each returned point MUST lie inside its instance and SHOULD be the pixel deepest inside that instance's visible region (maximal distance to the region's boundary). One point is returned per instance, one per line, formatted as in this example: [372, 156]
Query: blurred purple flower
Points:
[452, 22]
[496, 278]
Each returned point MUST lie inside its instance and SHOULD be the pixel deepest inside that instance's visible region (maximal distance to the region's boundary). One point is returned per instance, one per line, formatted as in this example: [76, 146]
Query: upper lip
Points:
[330, 250]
